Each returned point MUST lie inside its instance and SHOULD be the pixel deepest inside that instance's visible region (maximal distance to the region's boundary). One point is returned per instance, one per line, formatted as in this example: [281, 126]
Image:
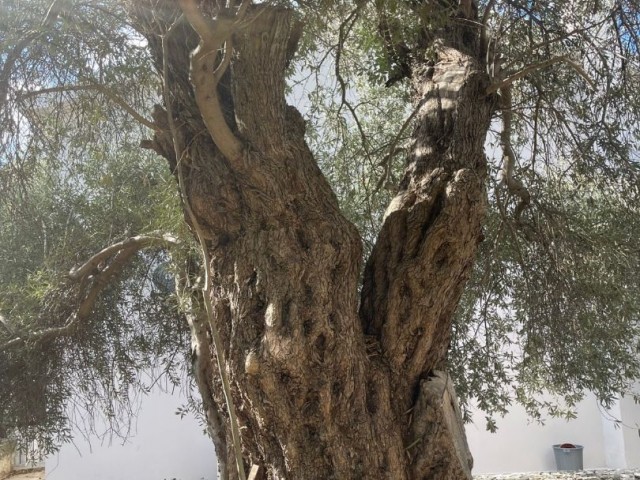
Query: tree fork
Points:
[285, 265]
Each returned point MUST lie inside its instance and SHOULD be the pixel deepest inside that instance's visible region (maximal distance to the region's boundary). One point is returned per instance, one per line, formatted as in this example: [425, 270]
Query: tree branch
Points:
[130, 244]
[386, 161]
[204, 27]
[42, 334]
[484, 22]
[467, 8]
[345, 29]
[515, 186]
[493, 88]
[226, 60]
[12, 57]
[487, 12]
[214, 35]
[99, 278]
[106, 91]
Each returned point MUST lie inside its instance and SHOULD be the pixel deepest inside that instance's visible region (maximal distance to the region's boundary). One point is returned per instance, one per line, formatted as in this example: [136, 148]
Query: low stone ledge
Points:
[7, 447]
[578, 475]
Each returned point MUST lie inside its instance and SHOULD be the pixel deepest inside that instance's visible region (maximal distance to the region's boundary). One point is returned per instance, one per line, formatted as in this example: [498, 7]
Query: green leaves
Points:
[552, 306]
[73, 181]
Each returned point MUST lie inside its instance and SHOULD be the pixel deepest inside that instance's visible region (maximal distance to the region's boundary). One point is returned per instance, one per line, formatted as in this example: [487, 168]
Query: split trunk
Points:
[329, 380]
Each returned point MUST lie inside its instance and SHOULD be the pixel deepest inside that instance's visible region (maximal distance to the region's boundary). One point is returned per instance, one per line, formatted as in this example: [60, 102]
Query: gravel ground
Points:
[580, 475]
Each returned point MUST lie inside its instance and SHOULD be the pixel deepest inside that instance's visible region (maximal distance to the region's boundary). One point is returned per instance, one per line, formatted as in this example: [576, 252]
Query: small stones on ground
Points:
[578, 475]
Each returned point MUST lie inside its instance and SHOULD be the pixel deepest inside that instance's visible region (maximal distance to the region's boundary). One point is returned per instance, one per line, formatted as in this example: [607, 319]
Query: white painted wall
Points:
[163, 447]
[167, 447]
[520, 445]
[630, 428]
[613, 437]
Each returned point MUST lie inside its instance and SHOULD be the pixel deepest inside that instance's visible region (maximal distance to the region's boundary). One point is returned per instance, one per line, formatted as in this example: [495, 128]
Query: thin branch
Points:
[483, 30]
[386, 161]
[514, 185]
[43, 334]
[5, 74]
[226, 60]
[89, 272]
[493, 88]
[202, 370]
[487, 12]
[103, 278]
[103, 89]
[110, 94]
[132, 243]
[580, 71]
[350, 21]
[559, 38]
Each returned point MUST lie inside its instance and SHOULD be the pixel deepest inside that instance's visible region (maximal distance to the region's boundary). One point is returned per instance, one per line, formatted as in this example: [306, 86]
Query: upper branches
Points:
[14, 54]
[545, 106]
[207, 69]
[102, 89]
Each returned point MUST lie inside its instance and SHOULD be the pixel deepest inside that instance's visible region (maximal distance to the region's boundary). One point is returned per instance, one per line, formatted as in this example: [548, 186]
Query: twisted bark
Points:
[325, 384]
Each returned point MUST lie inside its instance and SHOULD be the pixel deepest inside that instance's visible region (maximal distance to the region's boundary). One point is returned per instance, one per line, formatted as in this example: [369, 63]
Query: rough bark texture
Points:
[326, 384]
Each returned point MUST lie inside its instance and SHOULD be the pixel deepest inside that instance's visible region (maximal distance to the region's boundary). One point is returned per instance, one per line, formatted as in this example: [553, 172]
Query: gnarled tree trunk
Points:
[325, 384]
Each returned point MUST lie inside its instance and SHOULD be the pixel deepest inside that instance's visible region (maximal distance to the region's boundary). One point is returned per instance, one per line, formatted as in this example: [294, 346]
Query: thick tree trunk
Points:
[326, 385]
[424, 254]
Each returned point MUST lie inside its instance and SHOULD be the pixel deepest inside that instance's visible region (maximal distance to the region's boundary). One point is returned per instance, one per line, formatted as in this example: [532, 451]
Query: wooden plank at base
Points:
[255, 471]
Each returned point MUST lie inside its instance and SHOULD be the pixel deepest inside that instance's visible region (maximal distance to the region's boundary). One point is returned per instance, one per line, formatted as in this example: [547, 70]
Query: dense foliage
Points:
[74, 181]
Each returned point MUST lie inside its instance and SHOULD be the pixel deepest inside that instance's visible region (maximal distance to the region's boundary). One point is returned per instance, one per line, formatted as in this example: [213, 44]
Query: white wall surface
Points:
[630, 427]
[167, 447]
[520, 445]
[613, 437]
[163, 447]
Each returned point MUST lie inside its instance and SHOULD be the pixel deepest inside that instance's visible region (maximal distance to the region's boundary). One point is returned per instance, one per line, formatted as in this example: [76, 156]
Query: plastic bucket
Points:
[568, 458]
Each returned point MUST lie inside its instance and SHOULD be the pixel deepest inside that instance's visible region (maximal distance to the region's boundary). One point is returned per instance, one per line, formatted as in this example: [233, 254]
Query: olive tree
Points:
[316, 357]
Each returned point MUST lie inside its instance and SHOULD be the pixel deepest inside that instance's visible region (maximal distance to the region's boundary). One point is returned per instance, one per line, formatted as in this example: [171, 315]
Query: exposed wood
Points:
[438, 432]
[255, 473]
